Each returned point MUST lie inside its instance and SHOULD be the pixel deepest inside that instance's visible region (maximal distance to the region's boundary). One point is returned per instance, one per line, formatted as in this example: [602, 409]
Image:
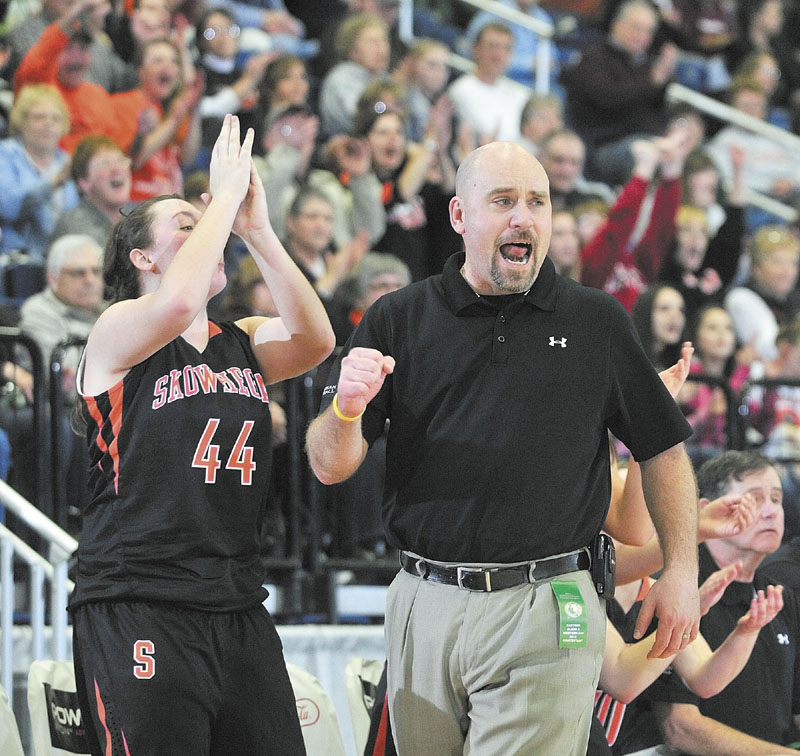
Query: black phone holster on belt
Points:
[604, 565]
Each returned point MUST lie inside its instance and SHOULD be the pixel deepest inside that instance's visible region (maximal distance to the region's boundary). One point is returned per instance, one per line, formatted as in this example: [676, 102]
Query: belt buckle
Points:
[461, 571]
[531, 570]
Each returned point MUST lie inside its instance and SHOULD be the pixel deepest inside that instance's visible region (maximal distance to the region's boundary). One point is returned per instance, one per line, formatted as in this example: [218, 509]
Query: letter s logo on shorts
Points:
[144, 656]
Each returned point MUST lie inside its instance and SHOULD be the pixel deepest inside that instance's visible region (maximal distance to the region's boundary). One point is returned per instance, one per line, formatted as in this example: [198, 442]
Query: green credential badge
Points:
[571, 614]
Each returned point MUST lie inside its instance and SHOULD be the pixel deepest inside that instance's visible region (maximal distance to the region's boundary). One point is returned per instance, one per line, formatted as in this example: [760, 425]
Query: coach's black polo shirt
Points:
[498, 445]
[763, 698]
[783, 566]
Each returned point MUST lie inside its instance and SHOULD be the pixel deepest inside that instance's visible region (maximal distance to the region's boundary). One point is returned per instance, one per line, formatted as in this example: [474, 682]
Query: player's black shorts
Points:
[154, 679]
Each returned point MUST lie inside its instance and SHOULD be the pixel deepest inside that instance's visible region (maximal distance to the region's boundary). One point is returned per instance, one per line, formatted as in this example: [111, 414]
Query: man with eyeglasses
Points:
[71, 301]
[67, 309]
[102, 173]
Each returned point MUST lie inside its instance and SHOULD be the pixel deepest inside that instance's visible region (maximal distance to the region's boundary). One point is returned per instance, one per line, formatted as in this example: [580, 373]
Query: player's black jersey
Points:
[180, 453]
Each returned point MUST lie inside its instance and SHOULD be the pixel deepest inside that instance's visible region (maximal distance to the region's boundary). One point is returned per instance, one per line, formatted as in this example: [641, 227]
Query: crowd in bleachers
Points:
[358, 136]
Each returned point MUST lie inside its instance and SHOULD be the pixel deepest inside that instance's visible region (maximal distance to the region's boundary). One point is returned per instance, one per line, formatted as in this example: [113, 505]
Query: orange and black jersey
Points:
[180, 454]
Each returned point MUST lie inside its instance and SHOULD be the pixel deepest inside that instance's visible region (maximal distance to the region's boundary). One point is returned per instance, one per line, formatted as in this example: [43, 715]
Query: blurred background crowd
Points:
[669, 130]
[683, 209]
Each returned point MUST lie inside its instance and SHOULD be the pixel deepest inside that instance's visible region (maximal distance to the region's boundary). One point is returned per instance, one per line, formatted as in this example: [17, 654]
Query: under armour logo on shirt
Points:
[783, 639]
[562, 342]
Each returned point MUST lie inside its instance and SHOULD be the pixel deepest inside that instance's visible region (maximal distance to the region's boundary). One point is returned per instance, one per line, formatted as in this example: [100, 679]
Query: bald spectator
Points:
[615, 93]
[102, 173]
[485, 99]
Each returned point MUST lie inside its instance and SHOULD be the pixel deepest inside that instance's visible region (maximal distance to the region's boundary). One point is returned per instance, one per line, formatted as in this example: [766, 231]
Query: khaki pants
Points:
[481, 674]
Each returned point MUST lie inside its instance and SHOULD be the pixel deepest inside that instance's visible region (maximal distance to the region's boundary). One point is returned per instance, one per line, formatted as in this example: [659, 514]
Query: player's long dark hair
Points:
[135, 230]
[120, 276]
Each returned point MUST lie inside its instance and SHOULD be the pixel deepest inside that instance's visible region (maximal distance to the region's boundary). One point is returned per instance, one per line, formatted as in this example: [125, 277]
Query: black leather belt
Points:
[487, 579]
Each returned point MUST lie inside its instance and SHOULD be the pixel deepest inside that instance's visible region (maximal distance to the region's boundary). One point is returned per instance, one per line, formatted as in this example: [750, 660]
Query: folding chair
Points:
[317, 714]
[56, 725]
[10, 743]
[361, 677]
[21, 279]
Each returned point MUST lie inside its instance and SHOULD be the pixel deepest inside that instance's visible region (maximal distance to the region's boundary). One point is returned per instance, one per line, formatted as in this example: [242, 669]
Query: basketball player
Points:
[174, 651]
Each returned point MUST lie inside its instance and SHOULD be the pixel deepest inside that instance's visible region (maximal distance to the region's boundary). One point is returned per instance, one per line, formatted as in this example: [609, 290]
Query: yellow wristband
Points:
[341, 415]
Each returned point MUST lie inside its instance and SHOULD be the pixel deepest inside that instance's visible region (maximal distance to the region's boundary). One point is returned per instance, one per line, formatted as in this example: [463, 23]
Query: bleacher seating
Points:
[21, 279]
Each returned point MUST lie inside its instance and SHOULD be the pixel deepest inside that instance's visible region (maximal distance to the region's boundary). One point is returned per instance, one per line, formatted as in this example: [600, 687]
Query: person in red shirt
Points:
[612, 259]
[61, 57]
[161, 121]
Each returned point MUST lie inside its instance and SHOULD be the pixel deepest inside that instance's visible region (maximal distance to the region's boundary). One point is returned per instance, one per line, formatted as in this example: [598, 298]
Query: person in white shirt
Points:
[485, 99]
[770, 167]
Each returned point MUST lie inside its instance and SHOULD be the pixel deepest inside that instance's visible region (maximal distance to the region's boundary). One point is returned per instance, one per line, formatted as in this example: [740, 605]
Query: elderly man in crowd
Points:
[67, 309]
[73, 298]
[758, 712]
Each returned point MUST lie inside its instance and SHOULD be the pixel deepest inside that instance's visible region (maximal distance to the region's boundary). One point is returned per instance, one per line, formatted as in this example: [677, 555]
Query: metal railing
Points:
[304, 559]
[721, 111]
[61, 547]
[544, 31]
[17, 346]
[735, 419]
[57, 421]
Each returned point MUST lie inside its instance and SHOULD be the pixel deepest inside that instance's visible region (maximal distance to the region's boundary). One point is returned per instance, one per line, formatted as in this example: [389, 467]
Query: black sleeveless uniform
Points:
[173, 648]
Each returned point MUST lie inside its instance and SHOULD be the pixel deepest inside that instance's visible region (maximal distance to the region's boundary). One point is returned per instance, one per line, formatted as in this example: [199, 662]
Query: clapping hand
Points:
[726, 516]
[714, 586]
[674, 377]
[351, 155]
[763, 609]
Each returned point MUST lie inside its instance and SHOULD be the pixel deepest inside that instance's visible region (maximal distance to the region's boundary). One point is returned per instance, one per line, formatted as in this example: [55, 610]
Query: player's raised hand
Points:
[229, 171]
